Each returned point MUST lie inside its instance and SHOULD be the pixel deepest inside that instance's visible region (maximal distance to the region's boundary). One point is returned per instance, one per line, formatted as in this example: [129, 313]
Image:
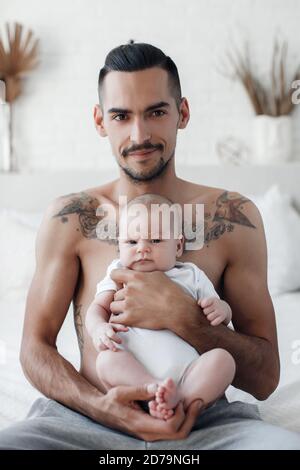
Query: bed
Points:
[23, 197]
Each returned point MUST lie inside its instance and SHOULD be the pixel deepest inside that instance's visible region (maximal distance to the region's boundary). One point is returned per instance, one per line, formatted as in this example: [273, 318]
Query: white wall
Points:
[53, 118]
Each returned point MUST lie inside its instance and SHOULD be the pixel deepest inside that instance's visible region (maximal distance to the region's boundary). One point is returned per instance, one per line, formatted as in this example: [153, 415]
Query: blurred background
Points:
[238, 61]
[52, 118]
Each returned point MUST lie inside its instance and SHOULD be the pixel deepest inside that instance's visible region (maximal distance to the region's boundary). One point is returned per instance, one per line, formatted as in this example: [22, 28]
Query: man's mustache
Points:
[139, 148]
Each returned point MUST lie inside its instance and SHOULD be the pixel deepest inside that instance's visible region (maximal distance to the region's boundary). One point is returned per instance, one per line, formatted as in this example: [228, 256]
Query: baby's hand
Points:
[216, 310]
[105, 336]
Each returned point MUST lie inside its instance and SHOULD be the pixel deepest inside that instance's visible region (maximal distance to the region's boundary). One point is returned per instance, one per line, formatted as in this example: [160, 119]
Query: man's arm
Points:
[254, 343]
[48, 300]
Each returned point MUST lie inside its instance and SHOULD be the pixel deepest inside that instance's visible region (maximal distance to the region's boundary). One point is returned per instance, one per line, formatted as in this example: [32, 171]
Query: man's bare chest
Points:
[96, 256]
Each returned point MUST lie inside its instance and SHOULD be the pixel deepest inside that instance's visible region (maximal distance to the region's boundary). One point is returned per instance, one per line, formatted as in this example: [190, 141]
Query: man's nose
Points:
[139, 131]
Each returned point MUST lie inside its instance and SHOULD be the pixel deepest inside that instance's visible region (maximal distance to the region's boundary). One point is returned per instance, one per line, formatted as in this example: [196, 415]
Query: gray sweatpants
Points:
[50, 425]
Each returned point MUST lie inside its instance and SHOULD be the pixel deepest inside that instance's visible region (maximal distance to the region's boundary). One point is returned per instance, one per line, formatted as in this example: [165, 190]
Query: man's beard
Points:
[139, 176]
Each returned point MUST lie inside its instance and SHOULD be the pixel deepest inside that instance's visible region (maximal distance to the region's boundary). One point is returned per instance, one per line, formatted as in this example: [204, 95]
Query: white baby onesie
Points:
[162, 352]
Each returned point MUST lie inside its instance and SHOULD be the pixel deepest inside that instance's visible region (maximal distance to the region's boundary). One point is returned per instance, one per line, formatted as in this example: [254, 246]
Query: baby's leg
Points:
[122, 368]
[208, 377]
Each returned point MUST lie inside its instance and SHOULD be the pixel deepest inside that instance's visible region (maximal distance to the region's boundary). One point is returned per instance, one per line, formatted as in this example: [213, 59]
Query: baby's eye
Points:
[156, 240]
[131, 242]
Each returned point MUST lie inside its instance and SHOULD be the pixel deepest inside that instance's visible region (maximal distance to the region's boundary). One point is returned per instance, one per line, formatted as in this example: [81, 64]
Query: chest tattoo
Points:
[91, 225]
[228, 212]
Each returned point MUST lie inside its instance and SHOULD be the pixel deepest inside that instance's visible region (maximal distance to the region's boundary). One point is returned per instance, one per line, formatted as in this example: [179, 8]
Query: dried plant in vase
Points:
[271, 100]
[276, 100]
[18, 56]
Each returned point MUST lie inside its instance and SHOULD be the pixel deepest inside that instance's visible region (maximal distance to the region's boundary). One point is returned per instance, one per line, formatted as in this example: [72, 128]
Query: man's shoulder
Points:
[223, 203]
[236, 217]
[77, 212]
[209, 194]
[228, 214]
[87, 198]
[82, 202]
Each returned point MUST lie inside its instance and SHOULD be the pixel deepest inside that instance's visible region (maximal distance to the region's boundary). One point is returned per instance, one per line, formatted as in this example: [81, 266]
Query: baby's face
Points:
[149, 254]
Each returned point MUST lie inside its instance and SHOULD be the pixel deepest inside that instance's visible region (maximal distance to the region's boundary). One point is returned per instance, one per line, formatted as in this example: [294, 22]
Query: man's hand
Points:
[119, 410]
[150, 300]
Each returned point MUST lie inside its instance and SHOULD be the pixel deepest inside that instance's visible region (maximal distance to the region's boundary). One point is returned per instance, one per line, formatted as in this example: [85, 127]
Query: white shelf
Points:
[33, 190]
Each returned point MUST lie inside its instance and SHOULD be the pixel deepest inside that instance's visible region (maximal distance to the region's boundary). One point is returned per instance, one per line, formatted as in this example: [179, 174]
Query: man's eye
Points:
[156, 240]
[159, 111]
[118, 116]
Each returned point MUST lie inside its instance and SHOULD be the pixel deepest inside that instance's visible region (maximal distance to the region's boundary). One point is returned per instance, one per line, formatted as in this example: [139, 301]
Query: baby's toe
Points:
[169, 413]
[159, 398]
[161, 406]
[161, 390]
[153, 410]
[152, 405]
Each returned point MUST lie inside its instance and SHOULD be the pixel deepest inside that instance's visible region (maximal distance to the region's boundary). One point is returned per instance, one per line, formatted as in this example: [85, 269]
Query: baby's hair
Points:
[147, 200]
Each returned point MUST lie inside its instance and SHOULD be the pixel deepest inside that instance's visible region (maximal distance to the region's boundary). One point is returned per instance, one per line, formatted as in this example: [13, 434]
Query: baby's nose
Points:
[143, 247]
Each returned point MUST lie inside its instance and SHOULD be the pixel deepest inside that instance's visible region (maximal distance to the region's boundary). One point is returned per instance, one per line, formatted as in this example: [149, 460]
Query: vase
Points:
[272, 139]
[7, 158]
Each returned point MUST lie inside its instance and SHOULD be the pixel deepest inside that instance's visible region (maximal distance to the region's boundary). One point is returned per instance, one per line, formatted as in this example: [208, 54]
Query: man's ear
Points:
[184, 114]
[98, 119]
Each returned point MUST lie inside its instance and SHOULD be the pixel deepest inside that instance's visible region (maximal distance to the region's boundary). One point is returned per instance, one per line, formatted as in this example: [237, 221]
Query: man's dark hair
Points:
[132, 57]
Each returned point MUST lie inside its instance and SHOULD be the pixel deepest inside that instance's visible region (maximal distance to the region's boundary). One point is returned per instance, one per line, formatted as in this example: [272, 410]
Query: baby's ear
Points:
[180, 246]
[119, 285]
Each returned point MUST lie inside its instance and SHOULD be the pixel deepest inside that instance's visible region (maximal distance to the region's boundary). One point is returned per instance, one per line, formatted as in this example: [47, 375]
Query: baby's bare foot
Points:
[166, 399]
[152, 405]
[167, 395]
[156, 413]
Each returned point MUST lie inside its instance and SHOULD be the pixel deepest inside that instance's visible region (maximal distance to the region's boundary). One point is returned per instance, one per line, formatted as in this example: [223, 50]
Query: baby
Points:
[170, 366]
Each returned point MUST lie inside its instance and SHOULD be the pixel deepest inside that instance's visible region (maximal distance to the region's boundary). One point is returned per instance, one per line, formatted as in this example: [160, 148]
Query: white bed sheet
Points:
[283, 406]
[16, 394]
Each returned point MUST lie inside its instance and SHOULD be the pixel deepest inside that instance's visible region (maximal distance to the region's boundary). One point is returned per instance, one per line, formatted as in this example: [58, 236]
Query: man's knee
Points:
[265, 436]
[18, 436]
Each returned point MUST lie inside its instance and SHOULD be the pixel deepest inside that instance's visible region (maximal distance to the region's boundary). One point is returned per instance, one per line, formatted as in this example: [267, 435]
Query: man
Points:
[140, 110]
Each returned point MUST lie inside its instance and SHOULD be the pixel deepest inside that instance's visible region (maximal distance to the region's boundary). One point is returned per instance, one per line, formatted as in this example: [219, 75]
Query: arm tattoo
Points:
[79, 326]
[228, 212]
[86, 206]
[229, 209]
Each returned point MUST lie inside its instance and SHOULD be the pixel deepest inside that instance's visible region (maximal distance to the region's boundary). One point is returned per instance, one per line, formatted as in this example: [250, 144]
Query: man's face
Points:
[140, 115]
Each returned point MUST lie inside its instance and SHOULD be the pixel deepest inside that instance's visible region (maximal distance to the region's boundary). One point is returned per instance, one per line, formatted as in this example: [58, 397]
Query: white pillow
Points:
[17, 255]
[29, 219]
[282, 228]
